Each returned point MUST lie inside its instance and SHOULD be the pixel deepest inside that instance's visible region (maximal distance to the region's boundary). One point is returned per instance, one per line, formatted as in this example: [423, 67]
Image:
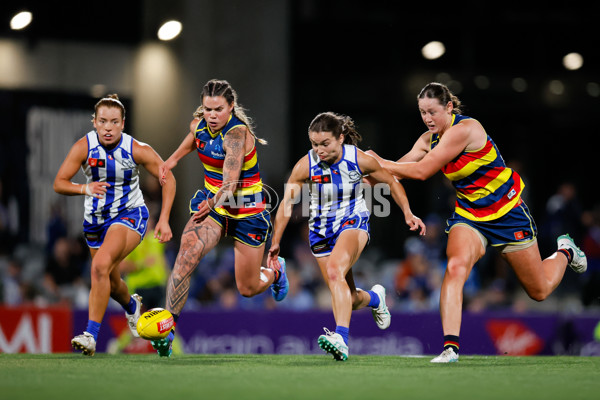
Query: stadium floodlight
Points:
[169, 30]
[573, 61]
[20, 20]
[433, 50]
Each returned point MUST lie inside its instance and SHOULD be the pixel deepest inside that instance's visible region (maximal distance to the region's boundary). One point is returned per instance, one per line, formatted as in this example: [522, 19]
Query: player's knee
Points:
[334, 272]
[247, 290]
[99, 269]
[457, 269]
[356, 301]
[537, 294]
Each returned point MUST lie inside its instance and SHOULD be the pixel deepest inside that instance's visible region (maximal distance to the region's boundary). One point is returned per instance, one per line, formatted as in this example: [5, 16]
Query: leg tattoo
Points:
[197, 240]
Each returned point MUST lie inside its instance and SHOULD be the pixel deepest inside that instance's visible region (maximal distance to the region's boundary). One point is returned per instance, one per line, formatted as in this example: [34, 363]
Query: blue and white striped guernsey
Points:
[117, 167]
[336, 191]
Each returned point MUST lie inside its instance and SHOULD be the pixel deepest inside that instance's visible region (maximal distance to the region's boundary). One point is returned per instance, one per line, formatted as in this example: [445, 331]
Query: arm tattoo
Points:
[196, 241]
[234, 145]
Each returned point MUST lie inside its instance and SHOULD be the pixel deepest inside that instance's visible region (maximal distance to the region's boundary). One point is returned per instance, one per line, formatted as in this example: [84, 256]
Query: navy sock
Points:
[130, 307]
[93, 327]
[343, 331]
[374, 303]
[451, 341]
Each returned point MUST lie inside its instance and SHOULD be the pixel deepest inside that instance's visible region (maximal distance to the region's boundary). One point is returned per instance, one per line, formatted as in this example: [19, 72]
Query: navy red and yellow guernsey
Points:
[486, 189]
[248, 197]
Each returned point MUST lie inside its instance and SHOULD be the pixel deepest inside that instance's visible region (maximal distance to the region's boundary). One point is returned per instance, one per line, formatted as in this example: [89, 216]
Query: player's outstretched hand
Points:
[415, 223]
[96, 189]
[203, 209]
[162, 232]
[272, 257]
[163, 171]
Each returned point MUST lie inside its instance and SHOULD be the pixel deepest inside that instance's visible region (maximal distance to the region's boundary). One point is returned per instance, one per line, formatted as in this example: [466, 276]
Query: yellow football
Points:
[155, 324]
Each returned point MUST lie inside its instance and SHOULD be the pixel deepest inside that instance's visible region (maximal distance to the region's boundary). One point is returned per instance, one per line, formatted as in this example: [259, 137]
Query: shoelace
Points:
[328, 332]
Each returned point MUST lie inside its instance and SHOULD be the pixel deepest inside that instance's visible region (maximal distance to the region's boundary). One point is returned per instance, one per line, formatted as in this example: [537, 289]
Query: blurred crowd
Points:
[57, 273]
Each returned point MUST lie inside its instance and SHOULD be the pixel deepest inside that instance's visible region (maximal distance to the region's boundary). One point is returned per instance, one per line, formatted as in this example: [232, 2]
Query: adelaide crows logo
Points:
[200, 144]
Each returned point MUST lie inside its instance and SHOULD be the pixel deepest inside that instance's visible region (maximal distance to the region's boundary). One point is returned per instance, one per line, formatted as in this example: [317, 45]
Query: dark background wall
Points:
[290, 60]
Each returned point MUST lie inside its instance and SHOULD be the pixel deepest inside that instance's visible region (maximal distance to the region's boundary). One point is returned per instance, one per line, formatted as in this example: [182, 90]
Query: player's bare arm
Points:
[293, 189]
[74, 160]
[146, 156]
[451, 144]
[186, 147]
[419, 149]
[369, 165]
[234, 145]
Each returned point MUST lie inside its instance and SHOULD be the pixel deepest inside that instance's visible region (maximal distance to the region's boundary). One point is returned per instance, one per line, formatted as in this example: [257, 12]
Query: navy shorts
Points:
[322, 246]
[135, 219]
[515, 227]
[252, 230]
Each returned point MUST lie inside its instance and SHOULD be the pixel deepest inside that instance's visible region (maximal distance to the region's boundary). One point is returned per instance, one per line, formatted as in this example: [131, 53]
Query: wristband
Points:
[88, 191]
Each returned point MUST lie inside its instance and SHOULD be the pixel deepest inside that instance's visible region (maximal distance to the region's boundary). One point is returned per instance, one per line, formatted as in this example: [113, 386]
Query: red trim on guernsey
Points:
[494, 208]
[250, 155]
[465, 158]
[250, 180]
[213, 162]
[245, 210]
[482, 181]
[212, 181]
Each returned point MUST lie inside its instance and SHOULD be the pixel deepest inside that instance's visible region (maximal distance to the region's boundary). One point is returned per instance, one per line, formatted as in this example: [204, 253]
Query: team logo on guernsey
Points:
[321, 178]
[200, 144]
[354, 176]
[97, 162]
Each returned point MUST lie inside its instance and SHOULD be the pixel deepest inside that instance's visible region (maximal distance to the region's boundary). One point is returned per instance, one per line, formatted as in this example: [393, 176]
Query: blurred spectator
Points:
[213, 277]
[435, 239]
[56, 226]
[591, 246]
[13, 289]
[563, 215]
[63, 281]
[8, 225]
[418, 278]
[298, 298]
[307, 269]
[145, 269]
[492, 297]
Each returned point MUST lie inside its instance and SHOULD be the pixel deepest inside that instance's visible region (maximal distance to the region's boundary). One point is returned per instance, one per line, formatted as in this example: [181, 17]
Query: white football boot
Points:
[579, 261]
[381, 314]
[85, 342]
[132, 319]
[333, 343]
[447, 356]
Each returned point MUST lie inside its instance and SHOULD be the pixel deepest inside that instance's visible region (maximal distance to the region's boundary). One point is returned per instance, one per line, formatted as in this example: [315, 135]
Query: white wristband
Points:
[88, 191]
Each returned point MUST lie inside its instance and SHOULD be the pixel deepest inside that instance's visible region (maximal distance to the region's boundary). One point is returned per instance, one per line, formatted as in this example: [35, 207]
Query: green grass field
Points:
[112, 377]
